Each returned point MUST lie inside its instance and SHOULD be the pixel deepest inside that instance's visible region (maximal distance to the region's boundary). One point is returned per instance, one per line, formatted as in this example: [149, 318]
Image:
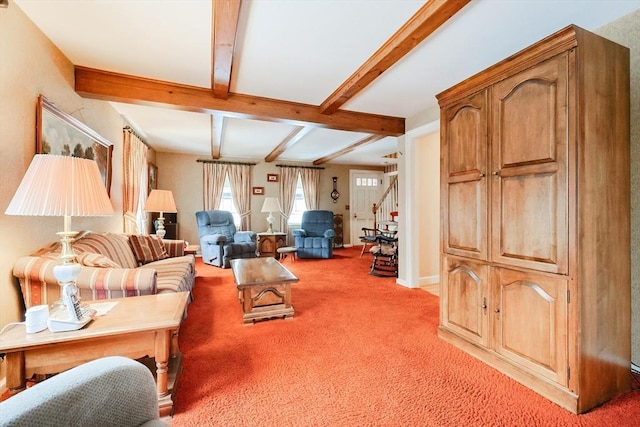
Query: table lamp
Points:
[161, 201]
[271, 204]
[62, 186]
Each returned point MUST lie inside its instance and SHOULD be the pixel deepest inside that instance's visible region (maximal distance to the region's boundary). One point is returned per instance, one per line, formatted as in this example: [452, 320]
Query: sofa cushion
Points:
[89, 259]
[114, 246]
[147, 248]
[174, 274]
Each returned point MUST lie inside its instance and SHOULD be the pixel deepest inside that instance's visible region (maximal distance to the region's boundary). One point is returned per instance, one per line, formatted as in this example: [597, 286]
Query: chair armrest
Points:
[299, 232]
[213, 239]
[245, 236]
[329, 234]
[107, 391]
[174, 248]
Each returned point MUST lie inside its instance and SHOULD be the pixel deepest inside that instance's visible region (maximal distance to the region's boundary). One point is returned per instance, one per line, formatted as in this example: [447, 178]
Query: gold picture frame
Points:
[152, 177]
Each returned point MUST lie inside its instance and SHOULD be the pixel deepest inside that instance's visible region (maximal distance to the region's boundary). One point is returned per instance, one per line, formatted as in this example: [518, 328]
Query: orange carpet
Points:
[360, 351]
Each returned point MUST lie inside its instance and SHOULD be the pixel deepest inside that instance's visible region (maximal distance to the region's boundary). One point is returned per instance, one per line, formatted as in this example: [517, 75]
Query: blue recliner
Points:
[315, 238]
[219, 240]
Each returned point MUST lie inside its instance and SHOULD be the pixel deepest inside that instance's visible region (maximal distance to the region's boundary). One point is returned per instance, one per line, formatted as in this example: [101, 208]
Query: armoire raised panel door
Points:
[530, 321]
[464, 165]
[535, 276]
[464, 298]
[529, 167]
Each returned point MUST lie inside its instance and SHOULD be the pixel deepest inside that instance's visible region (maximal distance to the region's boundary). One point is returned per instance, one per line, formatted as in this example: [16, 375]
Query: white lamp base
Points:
[270, 220]
[161, 232]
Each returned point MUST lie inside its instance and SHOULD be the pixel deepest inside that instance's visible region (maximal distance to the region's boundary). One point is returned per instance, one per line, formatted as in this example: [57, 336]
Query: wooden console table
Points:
[264, 288]
[136, 327]
[269, 243]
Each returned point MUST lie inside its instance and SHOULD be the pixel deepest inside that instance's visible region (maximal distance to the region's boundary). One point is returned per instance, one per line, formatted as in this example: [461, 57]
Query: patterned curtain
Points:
[135, 173]
[213, 176]
[288, 181]
[311, 187]
[240, 181]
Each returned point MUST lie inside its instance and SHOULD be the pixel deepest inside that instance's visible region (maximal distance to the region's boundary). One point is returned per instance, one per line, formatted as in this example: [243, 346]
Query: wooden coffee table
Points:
[136, 327]
[264, 288]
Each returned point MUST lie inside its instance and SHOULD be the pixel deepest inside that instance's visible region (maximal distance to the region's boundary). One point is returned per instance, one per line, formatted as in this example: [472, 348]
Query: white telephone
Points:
[72, 315]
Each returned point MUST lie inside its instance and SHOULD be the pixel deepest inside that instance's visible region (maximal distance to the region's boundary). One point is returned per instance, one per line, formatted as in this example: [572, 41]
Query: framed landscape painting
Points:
[153, 177]
[59, 133]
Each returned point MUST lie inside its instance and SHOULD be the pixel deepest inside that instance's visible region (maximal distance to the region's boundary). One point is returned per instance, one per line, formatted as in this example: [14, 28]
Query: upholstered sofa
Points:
[113, 266]
[314, 238]
[220, 242]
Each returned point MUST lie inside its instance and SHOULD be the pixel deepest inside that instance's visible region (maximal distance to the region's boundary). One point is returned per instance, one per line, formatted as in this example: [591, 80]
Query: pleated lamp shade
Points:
[160, 201]
[61, 186]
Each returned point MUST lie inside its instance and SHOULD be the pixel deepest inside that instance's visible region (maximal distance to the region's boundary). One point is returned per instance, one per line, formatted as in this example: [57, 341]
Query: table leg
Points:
[162, 344]
[16, 380]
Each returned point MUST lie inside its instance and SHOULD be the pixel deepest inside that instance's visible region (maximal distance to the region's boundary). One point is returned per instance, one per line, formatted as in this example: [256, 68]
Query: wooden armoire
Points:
[535, 218]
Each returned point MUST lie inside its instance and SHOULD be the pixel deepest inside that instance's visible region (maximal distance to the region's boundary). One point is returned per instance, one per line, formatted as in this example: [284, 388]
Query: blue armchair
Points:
[315, 238]
[219, 240]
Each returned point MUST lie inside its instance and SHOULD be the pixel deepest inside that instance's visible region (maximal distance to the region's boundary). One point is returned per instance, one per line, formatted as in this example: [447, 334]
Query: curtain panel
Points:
[213, 176]
[240, 181]
[311, 187]
[288, 181]
[136, 178]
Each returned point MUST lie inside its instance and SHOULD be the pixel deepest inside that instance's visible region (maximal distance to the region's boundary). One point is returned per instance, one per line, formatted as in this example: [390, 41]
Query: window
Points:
[226, 204]
[299, 206]
[366, 182]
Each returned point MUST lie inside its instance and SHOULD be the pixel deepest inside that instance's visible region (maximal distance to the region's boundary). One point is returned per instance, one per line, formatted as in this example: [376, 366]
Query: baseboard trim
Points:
[429, 280]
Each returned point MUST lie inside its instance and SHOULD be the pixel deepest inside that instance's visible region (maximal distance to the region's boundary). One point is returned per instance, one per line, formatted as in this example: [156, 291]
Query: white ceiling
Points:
[301, 51]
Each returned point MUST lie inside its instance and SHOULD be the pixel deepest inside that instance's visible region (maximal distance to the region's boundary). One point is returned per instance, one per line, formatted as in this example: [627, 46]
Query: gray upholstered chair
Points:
[220, 242]
[112, 391]
[315, 237]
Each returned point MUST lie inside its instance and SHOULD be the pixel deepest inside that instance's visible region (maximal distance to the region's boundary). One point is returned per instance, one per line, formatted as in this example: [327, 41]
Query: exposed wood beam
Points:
[223, 41]
[364, 141]
[108, 86]
[424, 22]
[217, 123]
[289, 141]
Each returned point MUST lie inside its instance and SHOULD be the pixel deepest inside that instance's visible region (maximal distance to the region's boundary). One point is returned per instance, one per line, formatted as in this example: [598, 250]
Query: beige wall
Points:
[31, 65]
[626, 32]
[429, 207]
[182, 174]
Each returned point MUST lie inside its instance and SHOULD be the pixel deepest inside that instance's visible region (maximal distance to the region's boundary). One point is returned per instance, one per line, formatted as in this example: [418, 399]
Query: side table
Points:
[192, 250]
[269, 243]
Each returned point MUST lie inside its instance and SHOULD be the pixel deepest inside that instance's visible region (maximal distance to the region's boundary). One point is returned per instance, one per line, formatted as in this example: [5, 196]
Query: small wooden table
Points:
[136, 327]
[192, 250]
[264, 288]
[268, 243]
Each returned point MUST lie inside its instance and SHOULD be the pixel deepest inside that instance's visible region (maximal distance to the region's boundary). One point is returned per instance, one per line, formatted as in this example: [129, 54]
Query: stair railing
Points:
[388, 202]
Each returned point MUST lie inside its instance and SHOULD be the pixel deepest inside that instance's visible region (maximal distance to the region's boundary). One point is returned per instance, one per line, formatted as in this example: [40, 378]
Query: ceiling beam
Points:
[424, 22]
[217, 123]
[364, 141]
[109, 86]
[223, 41]
[289, 141]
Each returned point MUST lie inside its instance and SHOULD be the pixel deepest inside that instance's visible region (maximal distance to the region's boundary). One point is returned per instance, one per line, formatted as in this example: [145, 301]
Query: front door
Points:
[366, 189]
